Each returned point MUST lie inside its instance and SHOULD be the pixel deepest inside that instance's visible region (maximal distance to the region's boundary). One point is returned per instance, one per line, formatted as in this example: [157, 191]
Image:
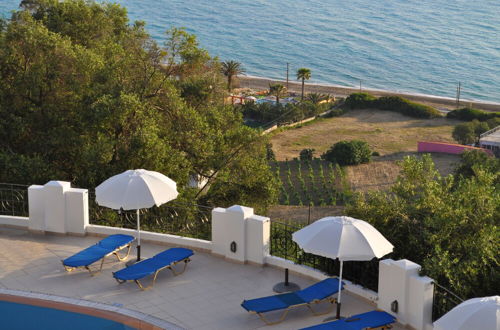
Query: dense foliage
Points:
[306, 154]
[471, 114]
[348, 153]
[279, 114]
[391, 103]
[469, 133]
[449, 225]
[85, 95]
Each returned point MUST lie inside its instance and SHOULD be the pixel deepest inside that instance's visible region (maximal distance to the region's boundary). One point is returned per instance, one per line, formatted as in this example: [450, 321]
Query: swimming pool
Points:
[16, 316]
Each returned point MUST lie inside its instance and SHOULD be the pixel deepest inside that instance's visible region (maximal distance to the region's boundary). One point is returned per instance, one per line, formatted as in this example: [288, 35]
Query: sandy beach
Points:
[441, 103]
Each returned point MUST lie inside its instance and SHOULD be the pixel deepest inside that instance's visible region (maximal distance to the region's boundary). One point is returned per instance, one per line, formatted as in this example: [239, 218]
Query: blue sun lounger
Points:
[369, 320]
[315, 294]
[105, 247]
[152, 266]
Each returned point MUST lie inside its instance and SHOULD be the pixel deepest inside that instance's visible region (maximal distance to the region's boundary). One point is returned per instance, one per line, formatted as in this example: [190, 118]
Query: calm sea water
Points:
[422, 46]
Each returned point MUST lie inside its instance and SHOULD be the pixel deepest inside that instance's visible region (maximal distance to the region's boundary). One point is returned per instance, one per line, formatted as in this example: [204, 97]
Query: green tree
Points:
[348, 153]
[277, 90]
[84, 99]
[449, 225]
[303, 74]
[231, 69]
[316, 98]
[464, 133]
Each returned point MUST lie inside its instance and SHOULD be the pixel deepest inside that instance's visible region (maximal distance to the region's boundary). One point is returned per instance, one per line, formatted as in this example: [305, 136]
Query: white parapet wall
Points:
[405, 294]
[56, 207]
[13, 221]
[240, 235]
[158, 238]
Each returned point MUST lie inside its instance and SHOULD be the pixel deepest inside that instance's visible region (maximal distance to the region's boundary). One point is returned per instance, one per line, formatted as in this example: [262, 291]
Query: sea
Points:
[416, 46]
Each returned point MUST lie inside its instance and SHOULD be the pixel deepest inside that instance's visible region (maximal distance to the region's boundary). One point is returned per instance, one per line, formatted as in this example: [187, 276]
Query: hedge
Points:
[469, 114]
[391, 103]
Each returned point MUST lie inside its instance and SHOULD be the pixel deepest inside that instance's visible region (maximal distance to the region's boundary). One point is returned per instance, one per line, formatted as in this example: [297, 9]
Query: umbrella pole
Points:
[138, 236]
[340, 289]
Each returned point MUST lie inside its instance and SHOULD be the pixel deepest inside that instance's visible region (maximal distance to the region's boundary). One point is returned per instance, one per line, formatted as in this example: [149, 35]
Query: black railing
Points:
[185, 219]
[364, 273]
[14, 199]
[444, 300]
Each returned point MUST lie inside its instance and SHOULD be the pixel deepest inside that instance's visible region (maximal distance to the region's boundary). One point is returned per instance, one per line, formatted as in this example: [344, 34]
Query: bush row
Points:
[391, 103]
[469, 114]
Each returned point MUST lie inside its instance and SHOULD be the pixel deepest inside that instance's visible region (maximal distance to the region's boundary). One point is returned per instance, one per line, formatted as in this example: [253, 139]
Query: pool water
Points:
[15, 316]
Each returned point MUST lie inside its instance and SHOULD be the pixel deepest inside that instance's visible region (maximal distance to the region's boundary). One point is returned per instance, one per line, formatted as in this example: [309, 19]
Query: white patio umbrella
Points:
[476, 313]
[345, 238]
[135, 190]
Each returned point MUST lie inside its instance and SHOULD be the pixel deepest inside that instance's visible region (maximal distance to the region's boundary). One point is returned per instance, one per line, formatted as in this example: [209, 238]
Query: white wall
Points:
[400, 281]
[12, 221]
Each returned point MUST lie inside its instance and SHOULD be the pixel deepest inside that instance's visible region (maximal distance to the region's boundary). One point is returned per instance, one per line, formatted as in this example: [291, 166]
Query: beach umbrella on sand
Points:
[135, 190]
[345, 238]
[476, 313]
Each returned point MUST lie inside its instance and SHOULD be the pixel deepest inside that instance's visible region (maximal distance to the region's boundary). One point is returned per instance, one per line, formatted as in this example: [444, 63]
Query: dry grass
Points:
[386, 132]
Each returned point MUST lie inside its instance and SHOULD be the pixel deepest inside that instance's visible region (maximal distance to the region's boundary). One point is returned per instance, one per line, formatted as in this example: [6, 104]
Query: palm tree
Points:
[277, 90]
[316, 98]
[230, 69]
[304, 74]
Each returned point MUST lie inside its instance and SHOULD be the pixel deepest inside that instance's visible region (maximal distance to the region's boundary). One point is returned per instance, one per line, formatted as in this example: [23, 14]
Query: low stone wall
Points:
[447, 148]
[14, 222]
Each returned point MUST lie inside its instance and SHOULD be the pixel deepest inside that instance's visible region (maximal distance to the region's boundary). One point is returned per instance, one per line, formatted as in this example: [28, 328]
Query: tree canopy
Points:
[85, 94]
[449, 225]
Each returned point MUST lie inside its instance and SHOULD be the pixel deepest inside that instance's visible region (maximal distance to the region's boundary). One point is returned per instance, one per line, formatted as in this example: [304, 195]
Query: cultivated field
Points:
[391, 134]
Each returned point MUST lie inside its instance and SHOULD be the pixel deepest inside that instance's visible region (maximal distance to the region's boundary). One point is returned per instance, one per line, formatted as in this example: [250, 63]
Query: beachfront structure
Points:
[237, 261]
[490, 140]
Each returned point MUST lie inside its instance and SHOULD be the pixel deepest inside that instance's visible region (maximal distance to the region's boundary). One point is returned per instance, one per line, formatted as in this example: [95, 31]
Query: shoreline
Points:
[439, 102]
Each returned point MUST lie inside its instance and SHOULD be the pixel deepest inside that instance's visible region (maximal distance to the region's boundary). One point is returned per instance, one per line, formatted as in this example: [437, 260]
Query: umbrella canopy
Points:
[476, 313]
[136, 189]
[345, 238]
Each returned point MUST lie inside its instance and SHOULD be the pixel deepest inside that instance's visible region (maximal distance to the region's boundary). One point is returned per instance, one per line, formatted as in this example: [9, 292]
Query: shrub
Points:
[307, 154]
[348, 153]
[405, 107]
[391, 103]
[360, 100]
[375, 154]
[468, 133]
[470, 114]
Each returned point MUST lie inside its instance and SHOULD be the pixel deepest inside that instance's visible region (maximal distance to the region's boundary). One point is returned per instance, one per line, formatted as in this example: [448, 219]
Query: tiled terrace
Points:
[206, 296]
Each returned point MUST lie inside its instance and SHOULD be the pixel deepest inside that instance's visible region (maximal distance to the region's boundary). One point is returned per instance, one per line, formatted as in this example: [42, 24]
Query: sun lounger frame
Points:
[95, 272]
[331, 300]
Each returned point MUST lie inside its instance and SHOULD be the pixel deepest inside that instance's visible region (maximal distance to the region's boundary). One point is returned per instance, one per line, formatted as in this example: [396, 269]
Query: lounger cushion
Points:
[373, 319]
[150, 266]
[320, 290]
[97, 251]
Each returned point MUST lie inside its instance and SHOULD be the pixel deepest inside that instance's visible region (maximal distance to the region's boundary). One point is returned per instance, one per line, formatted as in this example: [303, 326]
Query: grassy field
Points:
[386, 132]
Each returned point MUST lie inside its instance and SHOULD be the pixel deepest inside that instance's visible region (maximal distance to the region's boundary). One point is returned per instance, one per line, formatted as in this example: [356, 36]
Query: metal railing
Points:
[185, 219]
[14, 199]
[364, 273]
[443, 301]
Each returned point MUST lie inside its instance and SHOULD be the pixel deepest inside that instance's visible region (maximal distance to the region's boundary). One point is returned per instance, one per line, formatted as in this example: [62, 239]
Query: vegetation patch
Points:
[391, 103]
[471, 114]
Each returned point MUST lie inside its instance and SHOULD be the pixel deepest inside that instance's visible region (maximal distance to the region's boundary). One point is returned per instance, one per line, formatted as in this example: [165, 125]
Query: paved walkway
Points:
[207, 296]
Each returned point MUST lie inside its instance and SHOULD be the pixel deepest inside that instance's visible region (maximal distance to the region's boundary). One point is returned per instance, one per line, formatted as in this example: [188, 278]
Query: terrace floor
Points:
[207, 296]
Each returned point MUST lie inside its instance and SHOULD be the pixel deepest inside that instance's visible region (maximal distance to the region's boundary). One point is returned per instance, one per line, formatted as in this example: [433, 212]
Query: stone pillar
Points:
[77, 210]
[239, 235]
[58, 208]
[55, 206]
[36, 208]
[401, 285]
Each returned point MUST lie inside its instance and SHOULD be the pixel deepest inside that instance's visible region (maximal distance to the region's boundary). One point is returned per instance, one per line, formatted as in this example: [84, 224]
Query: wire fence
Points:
[184, 219]
[364, 273]
[14, 199]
